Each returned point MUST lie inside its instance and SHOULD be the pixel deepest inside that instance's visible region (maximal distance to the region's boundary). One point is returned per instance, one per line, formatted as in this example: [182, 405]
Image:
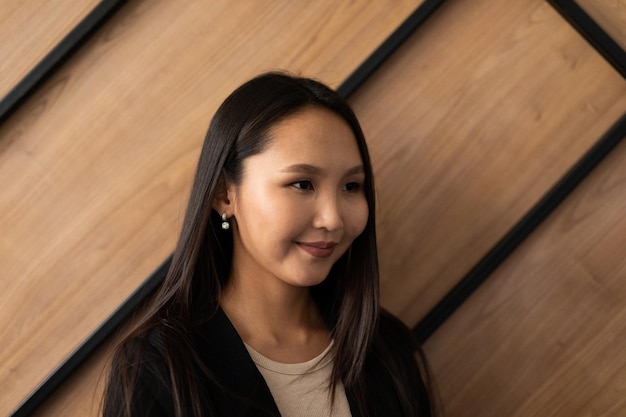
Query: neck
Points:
[280, 321]
[276, 312]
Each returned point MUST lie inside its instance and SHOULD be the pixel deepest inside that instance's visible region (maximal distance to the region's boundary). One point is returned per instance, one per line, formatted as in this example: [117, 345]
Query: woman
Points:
[270, 306]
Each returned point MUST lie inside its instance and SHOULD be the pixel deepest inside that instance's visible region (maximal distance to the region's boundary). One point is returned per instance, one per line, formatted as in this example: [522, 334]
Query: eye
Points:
[303, 185]
[352, 187]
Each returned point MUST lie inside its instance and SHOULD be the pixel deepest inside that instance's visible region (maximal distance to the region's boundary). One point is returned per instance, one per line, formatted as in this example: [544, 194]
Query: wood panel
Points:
[96, 166]
[610, 15]
[81, 393]
[29, 29]
[468, 128]
[545, 335]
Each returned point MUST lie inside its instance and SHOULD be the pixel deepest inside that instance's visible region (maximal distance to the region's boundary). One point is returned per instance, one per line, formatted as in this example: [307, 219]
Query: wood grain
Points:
[29, 30]
[96, 166]
[469, 127]
[82, 393]
[610, 15]
[545, 335]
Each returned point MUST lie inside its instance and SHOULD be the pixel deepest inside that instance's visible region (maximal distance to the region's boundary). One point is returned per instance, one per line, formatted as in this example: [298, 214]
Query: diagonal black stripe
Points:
[57, 56]
[388, 47]
[592, 32]
[364, 71]
[498, 254]
[616, 56]
[30, 404]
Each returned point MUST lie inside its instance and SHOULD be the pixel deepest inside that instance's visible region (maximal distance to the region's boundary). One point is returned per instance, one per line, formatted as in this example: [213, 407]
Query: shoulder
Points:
[396, 372]
[393, 331]
[143, 352]
[394, 345]
[139, 378]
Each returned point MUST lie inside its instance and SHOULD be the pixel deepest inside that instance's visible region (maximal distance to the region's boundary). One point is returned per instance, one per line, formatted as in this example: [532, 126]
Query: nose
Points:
[328, 214]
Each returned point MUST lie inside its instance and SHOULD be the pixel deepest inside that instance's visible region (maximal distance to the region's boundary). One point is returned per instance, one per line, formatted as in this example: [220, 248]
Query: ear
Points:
[224, 197]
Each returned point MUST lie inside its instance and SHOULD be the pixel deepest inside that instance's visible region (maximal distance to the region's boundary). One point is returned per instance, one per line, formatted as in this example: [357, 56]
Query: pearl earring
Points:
[225, 224]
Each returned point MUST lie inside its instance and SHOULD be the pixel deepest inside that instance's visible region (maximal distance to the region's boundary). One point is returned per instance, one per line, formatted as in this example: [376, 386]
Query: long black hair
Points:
[348, 298]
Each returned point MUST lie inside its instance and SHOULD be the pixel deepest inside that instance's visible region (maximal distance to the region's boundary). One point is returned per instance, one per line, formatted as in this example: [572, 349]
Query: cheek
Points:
[359, 214]
[254, 201]
[265, 215]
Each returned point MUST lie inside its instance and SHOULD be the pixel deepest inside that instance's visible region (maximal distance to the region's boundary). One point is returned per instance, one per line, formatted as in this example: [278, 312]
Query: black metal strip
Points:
[57, 56]
[592, 32]
[388, 47]
[499, 253]
[616, 56]
[125, 310]
[362, 73]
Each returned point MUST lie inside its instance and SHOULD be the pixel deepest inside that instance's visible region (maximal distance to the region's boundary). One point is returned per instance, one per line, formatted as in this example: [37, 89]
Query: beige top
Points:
[301, 389]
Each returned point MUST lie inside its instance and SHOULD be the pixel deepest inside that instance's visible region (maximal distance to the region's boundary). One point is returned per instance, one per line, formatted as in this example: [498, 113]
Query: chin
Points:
[309, 281]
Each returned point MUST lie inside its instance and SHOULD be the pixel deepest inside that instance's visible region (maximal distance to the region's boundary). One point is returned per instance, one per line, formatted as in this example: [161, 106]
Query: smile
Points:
[318, 249]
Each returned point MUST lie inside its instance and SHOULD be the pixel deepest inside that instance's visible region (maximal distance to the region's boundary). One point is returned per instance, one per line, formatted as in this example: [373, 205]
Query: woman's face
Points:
[300, 202]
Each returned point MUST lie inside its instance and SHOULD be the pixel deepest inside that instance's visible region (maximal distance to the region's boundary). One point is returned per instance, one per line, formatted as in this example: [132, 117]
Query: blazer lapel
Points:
[224, 353]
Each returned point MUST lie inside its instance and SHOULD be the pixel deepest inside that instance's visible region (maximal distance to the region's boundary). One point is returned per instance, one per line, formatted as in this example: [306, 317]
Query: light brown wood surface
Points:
[470, 123]
[29, 29]
[545, 335]
[81, 393]
[96, 166]
[610, 15]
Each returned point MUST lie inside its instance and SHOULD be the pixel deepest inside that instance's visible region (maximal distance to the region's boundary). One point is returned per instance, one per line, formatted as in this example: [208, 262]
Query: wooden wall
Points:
[545, 335]
[96, 165]
[30, 29]
[481, 111]
[610, 15]
[478, 133]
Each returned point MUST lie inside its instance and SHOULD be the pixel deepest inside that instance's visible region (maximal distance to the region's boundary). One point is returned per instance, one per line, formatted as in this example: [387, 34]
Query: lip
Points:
[318, 249]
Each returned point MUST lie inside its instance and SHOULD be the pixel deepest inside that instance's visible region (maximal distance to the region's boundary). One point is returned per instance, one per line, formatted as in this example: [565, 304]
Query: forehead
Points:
[313, 135]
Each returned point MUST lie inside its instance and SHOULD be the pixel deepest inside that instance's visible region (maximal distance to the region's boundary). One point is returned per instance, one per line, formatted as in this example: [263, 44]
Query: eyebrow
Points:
[313, 170]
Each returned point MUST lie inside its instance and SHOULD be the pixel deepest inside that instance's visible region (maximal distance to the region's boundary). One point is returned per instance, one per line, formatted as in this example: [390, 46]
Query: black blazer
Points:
[244, 392]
